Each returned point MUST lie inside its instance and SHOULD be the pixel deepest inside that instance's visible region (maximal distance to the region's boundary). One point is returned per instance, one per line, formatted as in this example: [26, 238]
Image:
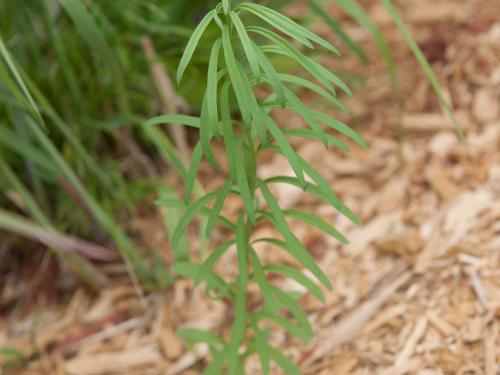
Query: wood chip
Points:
[114, 362]
[349, 327]
[409, 348]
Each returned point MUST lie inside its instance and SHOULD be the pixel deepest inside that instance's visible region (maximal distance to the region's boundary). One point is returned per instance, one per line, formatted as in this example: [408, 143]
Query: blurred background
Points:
[88, 283]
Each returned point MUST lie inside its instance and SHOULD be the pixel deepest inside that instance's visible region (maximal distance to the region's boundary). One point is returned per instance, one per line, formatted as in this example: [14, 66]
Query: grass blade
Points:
[174, 119]
[242, 180]
[425, 66]
[336, 26]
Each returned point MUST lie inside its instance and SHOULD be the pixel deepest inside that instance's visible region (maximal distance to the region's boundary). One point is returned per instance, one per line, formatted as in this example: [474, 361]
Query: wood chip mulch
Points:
[417, 291]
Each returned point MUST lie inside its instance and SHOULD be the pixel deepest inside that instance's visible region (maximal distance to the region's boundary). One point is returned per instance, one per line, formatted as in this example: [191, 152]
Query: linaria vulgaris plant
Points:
[239, 62]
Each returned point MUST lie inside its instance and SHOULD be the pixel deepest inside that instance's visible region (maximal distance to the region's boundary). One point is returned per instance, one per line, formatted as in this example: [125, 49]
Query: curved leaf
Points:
[308, 133]
[193, 43]
[316, 222]
[197, 335]
[212, 84]
[174, 119]
[193, 209]
[260, 278]
[247, 44]
[192, 172]
[208, 264]
[287, 25]
[296, 248]
[298, 276]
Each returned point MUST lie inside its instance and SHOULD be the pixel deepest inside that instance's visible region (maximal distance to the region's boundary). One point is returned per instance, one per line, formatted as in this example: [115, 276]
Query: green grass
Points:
[75, 87]
[73, 83]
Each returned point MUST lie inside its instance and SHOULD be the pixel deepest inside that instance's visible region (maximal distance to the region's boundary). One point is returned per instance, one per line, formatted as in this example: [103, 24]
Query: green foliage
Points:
[239, 63]
[356, 11]
[74, 83]
[425, 66]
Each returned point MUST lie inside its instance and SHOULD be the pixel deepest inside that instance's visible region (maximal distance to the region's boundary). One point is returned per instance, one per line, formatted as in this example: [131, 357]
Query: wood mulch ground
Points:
[417, 291]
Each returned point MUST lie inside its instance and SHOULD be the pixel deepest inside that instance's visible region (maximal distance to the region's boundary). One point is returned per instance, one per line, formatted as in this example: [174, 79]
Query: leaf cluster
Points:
[239, 63]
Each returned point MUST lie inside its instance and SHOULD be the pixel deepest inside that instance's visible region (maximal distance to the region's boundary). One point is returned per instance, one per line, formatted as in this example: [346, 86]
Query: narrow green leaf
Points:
[284, 146]
[308, 133]
[298, 276]
[431, 76]
[332, 77]
[11, 353]
[316, 222]
[337, 27]
[11, 140]
[226, 5]
[306, 114]
[296, 248]
[356, 11]
[4, 53]
[283, 361]
[288, 24]
[246, 43]
[189, 270]
[271, 74]
[219, 203]
[284, 27]
[174, 119]
[327, 190]
[291, 305]
[192, 172]
[260, 278]
[289, 50]
[227, 125]
[193, 43]
[261, 349]
[206, 134]
[313, 87]
[212, 85]
[171, 217]
[194, 335]
[193, 209]
[208, 264]
[170, 202]
[341, 127]
[216, 366]
[293, 329]
[247, 102]
[178, 204]
[236, 78]
[309, 187]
